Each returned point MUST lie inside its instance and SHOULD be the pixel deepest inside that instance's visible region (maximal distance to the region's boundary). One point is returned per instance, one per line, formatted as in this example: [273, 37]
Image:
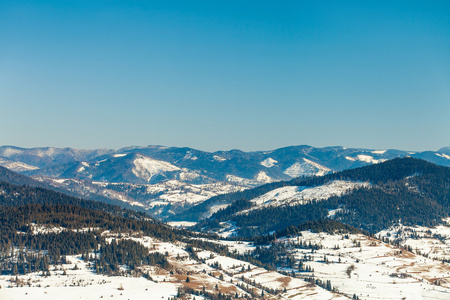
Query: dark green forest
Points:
[22, 251]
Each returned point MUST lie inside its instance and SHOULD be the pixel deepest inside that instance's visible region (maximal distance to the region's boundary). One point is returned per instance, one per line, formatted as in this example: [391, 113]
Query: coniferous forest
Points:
[407, 190]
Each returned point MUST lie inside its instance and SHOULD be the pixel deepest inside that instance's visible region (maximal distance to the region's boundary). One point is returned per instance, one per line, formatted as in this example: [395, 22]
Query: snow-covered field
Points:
[377, 270]
[82, 283]
[380, 270]
[431, 242]
[355, 264]
[212, 273]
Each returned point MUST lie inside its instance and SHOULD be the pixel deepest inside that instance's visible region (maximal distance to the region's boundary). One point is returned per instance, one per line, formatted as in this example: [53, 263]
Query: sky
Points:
[220, 75]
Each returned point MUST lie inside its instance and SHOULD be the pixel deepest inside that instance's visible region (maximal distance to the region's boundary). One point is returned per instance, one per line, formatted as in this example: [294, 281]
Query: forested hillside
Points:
[407, 190]
[9, 176]
[39, 227]
[15, 195]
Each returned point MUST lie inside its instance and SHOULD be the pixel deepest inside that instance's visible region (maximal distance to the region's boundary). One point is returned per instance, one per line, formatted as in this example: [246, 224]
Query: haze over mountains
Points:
[168, 180]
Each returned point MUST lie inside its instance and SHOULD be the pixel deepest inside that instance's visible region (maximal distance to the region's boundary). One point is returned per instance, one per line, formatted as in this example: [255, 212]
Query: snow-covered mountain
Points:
[151, 161]
[91, 173]
[47, 156]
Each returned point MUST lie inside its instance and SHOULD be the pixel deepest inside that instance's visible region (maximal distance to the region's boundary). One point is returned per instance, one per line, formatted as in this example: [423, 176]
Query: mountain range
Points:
[165, 181]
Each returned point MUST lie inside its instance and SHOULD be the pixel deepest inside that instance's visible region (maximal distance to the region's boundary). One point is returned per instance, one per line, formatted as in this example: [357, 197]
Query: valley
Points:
[309, 266]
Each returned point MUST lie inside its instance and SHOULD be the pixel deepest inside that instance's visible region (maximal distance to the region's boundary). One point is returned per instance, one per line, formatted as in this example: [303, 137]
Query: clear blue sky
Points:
[218, 75]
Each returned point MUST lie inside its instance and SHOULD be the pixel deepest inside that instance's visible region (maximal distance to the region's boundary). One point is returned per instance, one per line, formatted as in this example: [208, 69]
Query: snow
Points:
[332, 212]
[228, 229]
[120, 155]
[43, 153]
[16, 166]
[263, 177]
[379, 151]
[378, 267]
[295, 288]
[219, 158]
[434, 242]
[216, 208]
[443, 155]
[181, 224]
[240, 246]
[174, 191]
[366, 158]
[190, 156]
[42, 229]
[370, 159]
[268, 162]
[381, 271]
[83, 284]
[97, 163]
[83, 167]
[45, 229]
[242, 181]
[306, 168]
[149, 195]
[8, 152]
[89, 188]
[295, 195]
[187, 175]
[146, 168]
[187, 197]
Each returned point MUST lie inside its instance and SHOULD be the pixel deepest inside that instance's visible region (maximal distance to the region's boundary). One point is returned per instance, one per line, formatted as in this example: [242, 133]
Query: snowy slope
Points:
[269, 162]
[367, 158]
[146, 168]
[84, 284]
[306, 167]
[16, 166]
[295, 195]
[380, 270]
[241, 181]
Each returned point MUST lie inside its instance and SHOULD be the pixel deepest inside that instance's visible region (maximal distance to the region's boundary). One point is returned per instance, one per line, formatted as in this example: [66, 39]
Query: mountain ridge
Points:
[141, 170]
